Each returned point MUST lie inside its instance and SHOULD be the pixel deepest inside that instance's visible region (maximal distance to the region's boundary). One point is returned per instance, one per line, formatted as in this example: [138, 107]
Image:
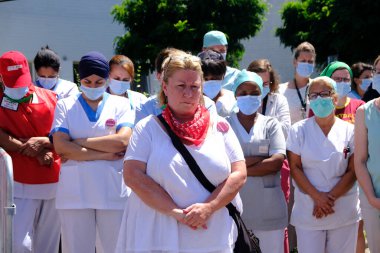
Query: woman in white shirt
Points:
[91, 132]
[320, 152]
[263, 144]
[169, 210]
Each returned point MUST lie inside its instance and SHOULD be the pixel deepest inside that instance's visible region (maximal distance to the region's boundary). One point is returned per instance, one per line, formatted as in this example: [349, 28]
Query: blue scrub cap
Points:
[93, 63]
[247, 76]
[213, 38]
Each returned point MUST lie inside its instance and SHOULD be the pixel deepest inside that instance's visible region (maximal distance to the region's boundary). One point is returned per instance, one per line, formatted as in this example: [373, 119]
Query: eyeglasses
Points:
[341, 79]
[322, 94]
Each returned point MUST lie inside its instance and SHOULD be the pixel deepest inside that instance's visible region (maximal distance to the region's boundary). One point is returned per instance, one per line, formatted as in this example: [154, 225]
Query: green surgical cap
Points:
[213, 38]
[247, 76]
[329, 70]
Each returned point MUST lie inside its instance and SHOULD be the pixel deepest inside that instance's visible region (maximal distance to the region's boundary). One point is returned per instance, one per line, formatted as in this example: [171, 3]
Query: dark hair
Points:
[304, 47]
[263, 65]
[357, 69]
[162, 55]
[46, 57]
[212, 63]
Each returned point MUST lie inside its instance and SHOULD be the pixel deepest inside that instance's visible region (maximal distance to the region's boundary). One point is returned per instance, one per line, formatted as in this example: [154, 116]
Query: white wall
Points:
[70, 27]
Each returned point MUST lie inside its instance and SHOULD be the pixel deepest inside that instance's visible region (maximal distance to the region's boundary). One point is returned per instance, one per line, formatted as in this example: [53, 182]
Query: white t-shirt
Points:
[277, 107]
[144, 229]
[324, 164]
[91, 184]
[226, 103]
[294, 102]
[264, 203]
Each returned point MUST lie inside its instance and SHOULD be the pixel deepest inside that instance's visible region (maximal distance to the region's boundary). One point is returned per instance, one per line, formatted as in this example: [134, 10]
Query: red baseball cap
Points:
[14, 70]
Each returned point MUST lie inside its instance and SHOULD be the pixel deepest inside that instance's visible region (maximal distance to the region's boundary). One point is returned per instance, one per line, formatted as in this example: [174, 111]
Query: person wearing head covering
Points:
[217, 41]
[214, 70]
[26, 114]
[320, 150]
[90, 132]
[346, 107]
[263, 144]
[47, 65]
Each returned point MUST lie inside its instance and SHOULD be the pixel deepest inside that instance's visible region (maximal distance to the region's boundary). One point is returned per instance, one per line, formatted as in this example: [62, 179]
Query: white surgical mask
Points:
[119, 87]
[224, 55]
[93, 93]
[16, 93]
[248, 105]
[304, 69]
[212, 88]
[343, 89]
[46, 82]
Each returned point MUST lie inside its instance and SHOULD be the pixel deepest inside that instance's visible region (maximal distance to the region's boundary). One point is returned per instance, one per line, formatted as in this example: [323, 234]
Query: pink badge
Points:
[110, 123]
[222, 126]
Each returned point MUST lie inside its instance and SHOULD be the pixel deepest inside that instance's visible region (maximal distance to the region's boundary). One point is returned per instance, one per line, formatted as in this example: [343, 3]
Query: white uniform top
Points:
[229, 77]
[324, 164]
[264, 203]
[145, 229]
[152, 107]
[64, 88]
[91, 184]
[295, 107]
[226, 103]
[277, 107]
[136, 99]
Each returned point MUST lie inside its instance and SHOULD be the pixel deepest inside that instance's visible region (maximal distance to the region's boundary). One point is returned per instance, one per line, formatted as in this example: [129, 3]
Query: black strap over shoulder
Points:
[194, 167]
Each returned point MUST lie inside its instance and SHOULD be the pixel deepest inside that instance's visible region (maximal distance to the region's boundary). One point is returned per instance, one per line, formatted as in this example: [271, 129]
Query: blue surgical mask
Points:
[212, 88]
[304, 69]
[342, 89]
[224, 55]
[93, 93]
[248, 105]
[322, 107]
[265, 91]
[376, 83]
[47, 83]
[16, 93]
[365, 83]
[119, 87]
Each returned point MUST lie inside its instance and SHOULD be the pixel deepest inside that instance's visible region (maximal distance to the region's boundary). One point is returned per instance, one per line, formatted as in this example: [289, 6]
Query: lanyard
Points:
[264, 108]
[303, 101]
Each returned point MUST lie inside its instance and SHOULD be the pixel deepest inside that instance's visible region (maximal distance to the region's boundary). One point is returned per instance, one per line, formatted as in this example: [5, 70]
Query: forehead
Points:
[93, 78]
[119, 70]
[264, 75]
[218, 48]
[320, 85]
[341, 72]
[186, 75]
[46, 71]
[248, 86]
[304, 55]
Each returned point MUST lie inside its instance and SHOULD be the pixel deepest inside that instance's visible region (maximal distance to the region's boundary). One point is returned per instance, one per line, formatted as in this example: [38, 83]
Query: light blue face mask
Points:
[47, 83]
[93, 93]
[304, 69]
[224, 55]
[365, 83]
[212, 88]
[248, 105]
[265, 91]
[322, 107]
[342, 89]
[119, 87]
[16, 93]
[376, 83]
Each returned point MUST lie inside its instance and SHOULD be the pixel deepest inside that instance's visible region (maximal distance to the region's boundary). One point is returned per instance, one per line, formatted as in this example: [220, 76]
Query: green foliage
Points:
[152, 25]
[347, 28]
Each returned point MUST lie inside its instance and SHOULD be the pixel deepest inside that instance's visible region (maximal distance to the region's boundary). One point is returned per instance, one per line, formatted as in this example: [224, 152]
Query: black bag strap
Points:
[194, 167]
[264, 107]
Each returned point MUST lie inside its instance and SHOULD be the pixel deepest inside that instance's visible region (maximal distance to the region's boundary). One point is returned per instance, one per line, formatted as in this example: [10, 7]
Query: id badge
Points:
[264, 147]
[8, 104]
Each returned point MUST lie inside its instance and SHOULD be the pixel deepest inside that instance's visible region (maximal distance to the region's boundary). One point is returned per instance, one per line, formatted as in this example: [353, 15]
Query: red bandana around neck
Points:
[193, 131]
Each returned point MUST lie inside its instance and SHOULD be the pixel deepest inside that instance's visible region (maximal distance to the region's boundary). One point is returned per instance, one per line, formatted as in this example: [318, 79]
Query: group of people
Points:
[97, 166]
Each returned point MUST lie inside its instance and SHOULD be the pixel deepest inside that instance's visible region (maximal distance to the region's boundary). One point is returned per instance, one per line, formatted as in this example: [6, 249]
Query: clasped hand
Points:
[194, 216]
[323, 204]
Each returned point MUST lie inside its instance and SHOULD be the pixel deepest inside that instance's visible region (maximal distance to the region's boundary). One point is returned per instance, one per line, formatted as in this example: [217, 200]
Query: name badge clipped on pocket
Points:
[9, 104]
[264, 146]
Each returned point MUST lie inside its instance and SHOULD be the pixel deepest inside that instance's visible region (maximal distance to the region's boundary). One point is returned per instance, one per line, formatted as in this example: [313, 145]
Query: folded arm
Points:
[258, 166]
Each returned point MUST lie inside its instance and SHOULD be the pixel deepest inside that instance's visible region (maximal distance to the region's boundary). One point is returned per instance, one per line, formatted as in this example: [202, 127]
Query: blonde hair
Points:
[173, 63]
[262, 66]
